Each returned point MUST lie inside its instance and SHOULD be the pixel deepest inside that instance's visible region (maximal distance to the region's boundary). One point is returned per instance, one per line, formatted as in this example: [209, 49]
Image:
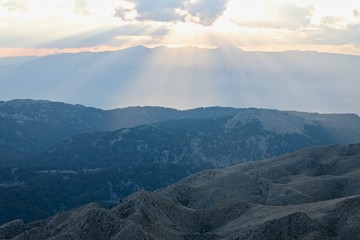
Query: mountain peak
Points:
[272, 120]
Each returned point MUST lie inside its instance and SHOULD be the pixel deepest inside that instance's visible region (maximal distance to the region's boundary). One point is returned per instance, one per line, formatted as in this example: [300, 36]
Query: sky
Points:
[41, 27]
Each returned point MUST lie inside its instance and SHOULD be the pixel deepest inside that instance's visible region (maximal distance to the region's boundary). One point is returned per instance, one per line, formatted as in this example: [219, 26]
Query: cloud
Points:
[156, 10]
[286, 16]
[82, 6]
[330, 20]
[356, 13]
[331, 30]
[13, 5]
[124, 13]
[204, 12]
[335, 36]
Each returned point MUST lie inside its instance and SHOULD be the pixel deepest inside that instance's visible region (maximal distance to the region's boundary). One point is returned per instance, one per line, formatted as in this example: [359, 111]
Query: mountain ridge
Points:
[132, 76]
[31, 126]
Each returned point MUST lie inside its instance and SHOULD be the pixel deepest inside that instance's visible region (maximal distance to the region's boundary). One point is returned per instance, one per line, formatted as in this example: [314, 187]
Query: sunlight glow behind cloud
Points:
[108, 24]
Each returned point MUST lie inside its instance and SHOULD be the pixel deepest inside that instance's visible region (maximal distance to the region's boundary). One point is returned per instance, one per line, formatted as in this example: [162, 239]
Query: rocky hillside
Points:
[310, 194]
[104, 167]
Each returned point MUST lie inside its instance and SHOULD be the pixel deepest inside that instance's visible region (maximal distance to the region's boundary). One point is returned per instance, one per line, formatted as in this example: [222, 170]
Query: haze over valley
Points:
[190, 77]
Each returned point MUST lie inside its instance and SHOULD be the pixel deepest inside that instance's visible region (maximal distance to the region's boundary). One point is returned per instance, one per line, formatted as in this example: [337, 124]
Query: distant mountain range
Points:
[310, 194]
[69, 160]
[189, 77]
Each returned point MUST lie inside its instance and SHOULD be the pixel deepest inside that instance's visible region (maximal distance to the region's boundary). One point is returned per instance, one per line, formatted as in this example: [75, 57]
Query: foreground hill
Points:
[104, 167]
[310, 194]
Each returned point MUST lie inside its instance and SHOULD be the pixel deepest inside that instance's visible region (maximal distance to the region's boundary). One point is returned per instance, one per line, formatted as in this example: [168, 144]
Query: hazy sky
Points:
[38, 27]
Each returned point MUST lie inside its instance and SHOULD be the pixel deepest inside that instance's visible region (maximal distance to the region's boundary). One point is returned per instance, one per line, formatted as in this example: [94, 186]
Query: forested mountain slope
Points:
[107, 166]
